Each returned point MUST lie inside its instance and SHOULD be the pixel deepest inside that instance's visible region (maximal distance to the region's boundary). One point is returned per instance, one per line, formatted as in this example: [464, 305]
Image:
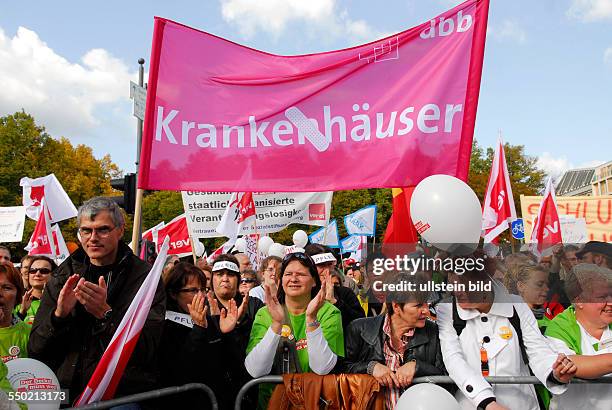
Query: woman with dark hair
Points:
[14, 333]
[189, 341]
[39, 273]
[298, 330]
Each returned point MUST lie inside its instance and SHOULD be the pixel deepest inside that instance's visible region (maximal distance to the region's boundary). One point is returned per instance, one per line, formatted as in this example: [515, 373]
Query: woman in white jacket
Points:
[478, 339]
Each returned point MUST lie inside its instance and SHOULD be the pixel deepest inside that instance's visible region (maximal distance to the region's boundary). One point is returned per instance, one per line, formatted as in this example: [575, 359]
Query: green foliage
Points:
[28, 150]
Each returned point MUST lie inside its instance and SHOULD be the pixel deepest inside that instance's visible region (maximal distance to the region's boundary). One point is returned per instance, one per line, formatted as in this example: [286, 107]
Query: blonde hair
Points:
[521, 273]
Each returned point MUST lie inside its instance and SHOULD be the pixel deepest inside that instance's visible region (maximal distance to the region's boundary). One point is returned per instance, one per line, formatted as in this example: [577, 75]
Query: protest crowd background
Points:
[110, 287]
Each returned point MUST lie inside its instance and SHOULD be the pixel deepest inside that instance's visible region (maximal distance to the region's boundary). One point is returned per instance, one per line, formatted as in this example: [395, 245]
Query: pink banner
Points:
[224, 117]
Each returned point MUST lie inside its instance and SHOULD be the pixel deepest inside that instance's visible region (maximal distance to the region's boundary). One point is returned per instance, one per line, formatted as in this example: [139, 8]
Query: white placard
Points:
[12, 219]
[275, 211]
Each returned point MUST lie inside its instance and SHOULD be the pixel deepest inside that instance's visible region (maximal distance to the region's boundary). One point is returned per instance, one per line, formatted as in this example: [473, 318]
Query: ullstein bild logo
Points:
[316, 212]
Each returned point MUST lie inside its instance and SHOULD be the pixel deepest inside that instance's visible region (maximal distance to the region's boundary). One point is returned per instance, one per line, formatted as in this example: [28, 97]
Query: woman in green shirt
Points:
[297, 331]
[39, 274]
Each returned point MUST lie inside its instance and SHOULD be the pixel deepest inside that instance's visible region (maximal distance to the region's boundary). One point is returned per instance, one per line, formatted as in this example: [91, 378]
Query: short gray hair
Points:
[94, 206]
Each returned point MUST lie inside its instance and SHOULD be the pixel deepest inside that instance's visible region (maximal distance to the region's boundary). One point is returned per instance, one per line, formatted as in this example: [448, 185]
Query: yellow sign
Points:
[596, 210]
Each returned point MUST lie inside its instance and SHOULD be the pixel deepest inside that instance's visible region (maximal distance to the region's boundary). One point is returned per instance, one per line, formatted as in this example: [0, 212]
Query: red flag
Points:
[177, 230]
[401, 236]
[546, 226]
[240, 212]
[498, 208]
[106, 377]
[41, 242]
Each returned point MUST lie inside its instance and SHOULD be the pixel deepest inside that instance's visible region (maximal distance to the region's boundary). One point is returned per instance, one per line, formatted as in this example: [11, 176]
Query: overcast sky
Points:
[547, 75]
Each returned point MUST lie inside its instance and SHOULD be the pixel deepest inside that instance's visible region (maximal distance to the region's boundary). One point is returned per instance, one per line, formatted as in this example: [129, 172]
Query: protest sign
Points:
[275, 211]
[12, 220]
[266, 122]
[596, 211]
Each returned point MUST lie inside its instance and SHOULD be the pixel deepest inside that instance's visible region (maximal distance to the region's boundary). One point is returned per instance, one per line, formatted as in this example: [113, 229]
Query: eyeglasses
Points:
[42, 271]
[102, 231]
[192, 290]
[247, 280]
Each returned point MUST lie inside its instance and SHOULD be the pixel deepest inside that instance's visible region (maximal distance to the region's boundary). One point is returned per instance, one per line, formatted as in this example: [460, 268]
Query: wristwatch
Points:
[107, 314]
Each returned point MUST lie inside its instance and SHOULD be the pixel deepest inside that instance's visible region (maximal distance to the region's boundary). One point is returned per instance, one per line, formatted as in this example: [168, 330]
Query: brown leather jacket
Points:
[309, 391]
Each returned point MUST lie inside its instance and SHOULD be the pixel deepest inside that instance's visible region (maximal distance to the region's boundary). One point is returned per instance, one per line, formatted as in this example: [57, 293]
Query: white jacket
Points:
[462, 354]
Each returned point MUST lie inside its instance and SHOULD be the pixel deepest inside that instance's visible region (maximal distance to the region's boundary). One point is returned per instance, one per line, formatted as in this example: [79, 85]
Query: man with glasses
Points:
[85, 301]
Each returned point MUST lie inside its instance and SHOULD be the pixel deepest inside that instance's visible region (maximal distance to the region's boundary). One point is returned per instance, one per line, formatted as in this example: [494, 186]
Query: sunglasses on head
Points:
[42, 271]
[298, 255]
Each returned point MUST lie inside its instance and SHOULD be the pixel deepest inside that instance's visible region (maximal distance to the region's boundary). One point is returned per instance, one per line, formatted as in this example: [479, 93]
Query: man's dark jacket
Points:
[364, 343]
[72, 346]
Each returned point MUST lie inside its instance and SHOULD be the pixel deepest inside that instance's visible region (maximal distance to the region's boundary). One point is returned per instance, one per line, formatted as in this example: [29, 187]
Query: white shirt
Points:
[257, 292]
[584, 396]
[462, 354]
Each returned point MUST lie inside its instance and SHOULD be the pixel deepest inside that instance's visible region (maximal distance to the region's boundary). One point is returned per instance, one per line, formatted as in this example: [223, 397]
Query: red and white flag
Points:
[105, 379]
[225, 248]
[41, 242]
[240, 212]
[61, 250]
[546, 225]
[48, 187]
[177, 230]
[498, 209]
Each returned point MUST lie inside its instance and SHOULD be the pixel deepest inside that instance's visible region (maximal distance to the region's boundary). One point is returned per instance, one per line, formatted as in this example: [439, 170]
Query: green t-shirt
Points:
[31, 313]
[331, 325]
[14, 341]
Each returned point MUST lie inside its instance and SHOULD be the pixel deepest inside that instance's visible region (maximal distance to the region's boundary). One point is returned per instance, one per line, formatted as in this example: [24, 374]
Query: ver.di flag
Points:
[328, 235]
[41, 242]
[404, 106]
[47, 187]
[546, 225]
[176, 230]
[240, 212]
[361, 222]
[105, 379]
[498, 207]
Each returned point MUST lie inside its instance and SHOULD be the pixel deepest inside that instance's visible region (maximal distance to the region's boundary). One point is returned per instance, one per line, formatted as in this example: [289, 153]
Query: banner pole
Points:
[136, 229]
[137, 220]
[193, 251]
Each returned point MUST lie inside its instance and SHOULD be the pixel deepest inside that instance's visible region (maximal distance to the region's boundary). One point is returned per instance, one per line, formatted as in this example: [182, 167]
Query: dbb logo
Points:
[447, 26]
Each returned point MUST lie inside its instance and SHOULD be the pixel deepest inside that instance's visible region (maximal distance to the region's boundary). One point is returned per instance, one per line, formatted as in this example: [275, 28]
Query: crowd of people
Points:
[223, 323]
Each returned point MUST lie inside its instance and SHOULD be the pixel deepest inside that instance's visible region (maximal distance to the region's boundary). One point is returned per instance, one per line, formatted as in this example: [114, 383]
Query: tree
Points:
[28, 150]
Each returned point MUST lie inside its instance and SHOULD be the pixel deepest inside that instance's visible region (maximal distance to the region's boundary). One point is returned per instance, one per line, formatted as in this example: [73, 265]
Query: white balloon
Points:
[199, 248]
[264, 244]
[240, 245]
[447, 213]
[300, 238]
[38, 378]
[426, 396]
[277, 249]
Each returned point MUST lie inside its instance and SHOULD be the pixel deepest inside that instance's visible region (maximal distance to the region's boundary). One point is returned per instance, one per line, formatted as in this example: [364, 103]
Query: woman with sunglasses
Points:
[38, 276]
[190, 339]
[298, 330]
[248, 280]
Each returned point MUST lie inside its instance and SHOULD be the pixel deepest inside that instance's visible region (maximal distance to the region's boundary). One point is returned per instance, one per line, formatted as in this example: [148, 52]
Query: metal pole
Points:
[136, 229]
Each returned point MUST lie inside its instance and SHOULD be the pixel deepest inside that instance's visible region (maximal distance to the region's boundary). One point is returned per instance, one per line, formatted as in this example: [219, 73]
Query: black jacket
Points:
[186, 355]
[364, 343]
[72, 346]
